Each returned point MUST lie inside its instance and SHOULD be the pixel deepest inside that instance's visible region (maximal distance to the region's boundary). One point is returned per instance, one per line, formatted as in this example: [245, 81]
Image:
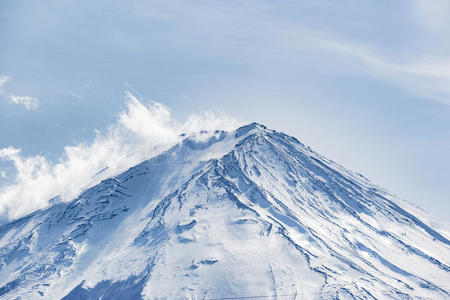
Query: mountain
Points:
[226, 215]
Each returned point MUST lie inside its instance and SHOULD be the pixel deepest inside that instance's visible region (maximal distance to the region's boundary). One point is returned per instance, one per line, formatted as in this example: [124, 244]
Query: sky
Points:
[86, 85]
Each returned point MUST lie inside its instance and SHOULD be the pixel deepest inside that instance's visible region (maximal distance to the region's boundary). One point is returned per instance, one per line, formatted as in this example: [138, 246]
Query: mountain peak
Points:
[249, 127]
[236, 214]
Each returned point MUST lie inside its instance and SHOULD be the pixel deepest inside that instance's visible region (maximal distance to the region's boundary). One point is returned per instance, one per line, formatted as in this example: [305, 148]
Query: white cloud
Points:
[209, 121]
[3, 80]
[149, 123]
[140, 131]
[30, 103]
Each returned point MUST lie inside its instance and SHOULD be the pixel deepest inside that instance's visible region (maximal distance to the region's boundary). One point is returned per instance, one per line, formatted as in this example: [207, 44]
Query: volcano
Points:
[251, 213]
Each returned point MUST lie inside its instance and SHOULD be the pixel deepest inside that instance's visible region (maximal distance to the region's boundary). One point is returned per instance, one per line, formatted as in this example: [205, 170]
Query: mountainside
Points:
[241, 214]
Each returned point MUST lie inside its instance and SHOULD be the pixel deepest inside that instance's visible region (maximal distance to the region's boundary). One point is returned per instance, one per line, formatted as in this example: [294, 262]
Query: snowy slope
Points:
[241, 214]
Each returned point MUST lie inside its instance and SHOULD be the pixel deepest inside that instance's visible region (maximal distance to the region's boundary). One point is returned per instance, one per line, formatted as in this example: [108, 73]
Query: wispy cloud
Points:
[422, 68]
[432, 15]
[427, 77]
[30, 103]
[139, 132]
[275, 35]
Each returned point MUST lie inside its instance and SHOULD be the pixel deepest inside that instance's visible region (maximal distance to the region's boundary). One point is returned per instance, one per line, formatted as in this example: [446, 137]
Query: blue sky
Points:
[365, 83]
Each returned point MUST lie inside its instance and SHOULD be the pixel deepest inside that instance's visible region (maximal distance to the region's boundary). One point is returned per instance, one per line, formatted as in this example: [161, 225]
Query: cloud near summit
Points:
[140, 131]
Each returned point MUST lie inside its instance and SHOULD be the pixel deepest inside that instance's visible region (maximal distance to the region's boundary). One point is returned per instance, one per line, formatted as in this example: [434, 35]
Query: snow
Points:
[229, 214]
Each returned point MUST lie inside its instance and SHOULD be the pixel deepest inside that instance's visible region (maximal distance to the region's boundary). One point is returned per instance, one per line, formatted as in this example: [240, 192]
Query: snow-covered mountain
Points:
[231, 214]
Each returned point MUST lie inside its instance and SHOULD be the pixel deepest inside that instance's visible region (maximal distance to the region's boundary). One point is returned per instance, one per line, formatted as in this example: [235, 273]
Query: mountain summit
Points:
[229, 215]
